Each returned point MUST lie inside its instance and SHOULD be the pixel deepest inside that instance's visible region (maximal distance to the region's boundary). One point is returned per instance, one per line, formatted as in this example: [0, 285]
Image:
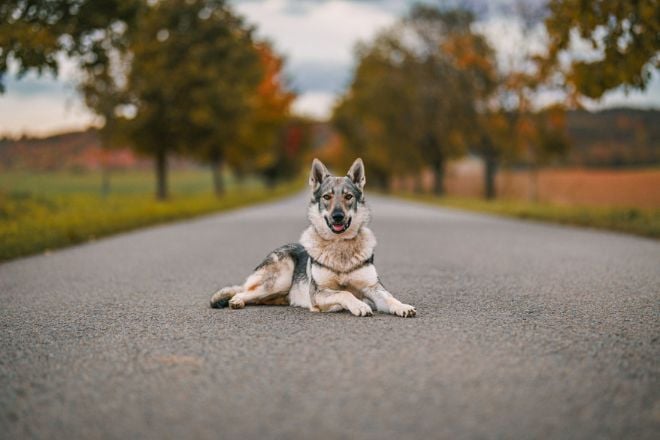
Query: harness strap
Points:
[366, 262]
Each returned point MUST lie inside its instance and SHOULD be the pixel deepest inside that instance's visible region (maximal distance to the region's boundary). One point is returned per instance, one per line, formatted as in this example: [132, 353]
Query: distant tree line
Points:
[429, 88]
[174, 76]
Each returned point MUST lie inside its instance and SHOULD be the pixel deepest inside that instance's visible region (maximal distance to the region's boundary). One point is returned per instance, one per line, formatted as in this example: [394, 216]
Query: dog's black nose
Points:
[337, 216]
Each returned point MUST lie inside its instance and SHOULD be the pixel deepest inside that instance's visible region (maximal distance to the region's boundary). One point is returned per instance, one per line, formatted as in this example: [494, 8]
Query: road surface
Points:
[524, 330]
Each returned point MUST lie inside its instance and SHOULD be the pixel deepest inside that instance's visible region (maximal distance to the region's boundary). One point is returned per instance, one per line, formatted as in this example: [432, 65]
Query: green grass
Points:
[44, 211]
[187, 182]
[645, 222]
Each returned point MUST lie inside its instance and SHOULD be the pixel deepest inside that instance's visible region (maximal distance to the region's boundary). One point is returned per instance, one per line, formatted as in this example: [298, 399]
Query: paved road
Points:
[524, 330]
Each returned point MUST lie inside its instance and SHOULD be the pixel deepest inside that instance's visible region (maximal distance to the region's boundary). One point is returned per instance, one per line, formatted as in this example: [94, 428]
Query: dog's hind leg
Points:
[221, 298]
[271, 281]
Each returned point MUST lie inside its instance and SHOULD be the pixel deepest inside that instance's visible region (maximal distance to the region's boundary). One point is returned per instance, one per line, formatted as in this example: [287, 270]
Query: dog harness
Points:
[366, 262]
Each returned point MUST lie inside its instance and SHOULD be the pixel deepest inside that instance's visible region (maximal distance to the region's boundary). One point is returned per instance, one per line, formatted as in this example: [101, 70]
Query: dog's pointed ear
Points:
[317, 174]
[356, 173]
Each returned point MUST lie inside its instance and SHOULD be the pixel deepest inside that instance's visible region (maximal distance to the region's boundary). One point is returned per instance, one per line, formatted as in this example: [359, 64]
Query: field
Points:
[632, 188]
[42, 211]
[620, 200]
[606, 188]
[639, 221]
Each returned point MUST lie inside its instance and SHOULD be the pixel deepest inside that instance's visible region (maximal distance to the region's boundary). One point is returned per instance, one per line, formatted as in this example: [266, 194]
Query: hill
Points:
[614, 137]
[75, 150]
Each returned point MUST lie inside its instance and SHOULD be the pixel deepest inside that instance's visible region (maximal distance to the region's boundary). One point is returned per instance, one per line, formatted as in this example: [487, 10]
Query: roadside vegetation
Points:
[426, 90]
[39, 212]
[644, 222]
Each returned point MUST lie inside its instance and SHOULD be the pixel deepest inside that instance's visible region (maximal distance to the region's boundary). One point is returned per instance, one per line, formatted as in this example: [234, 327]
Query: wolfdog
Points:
[332, 267]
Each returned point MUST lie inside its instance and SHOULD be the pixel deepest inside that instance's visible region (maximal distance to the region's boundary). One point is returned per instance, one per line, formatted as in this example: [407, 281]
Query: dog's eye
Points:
[348, 196]
[327, 197]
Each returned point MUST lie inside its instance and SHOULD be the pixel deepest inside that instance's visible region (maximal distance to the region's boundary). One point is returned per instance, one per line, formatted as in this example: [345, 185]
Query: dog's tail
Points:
[221, 298]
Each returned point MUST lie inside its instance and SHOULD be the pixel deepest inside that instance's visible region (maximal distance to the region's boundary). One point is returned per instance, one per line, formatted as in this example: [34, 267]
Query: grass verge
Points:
[644, 222]
[32, 222]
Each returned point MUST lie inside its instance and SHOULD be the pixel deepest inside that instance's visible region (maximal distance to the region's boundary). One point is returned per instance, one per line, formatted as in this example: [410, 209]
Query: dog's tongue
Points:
[338, 227]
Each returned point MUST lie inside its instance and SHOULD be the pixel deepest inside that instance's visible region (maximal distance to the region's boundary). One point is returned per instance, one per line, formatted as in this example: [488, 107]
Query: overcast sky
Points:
[316, 36]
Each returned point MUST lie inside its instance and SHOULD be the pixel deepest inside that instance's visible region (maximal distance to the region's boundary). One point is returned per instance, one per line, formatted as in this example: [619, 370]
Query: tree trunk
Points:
[489, 176]
[271, 183]
[380, 181]
[439, 177]
[534, 183]
[418, 183]
[216, 170]
[239, 175]
[161, 175]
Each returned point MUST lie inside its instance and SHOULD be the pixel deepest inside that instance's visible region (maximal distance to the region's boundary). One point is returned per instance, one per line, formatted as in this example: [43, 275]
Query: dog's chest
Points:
[356, 280]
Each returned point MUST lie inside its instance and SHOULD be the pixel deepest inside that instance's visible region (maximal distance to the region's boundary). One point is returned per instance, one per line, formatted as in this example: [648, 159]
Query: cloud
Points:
[315, 104]
[319, 76]
[30, 86]
[327, 31]
[318, 38]
[297, 7]
[40, 106]
[510, 39]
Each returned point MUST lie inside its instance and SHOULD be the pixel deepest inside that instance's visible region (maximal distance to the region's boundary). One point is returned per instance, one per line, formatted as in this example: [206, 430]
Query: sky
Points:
[317, 38]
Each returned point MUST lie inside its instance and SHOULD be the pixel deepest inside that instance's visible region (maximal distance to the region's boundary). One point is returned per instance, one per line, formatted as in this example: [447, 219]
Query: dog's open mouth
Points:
[338, 228]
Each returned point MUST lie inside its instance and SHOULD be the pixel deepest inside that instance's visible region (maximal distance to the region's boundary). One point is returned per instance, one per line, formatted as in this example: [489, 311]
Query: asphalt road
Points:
[524, 330]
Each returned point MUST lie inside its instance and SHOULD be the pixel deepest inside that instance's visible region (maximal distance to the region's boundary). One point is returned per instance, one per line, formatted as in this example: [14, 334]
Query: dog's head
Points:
[337, 209]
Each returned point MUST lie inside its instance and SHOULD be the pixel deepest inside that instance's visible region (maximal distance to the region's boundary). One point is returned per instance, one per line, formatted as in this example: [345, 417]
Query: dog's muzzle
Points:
[338, 227]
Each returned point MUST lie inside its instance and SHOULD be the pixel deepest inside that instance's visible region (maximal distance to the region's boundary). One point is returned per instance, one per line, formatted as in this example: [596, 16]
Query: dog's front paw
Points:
[360, 309]
[236, 303]
[403, 310]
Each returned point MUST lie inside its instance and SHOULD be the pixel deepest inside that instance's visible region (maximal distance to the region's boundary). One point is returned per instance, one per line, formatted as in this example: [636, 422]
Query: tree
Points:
[268, 133]
[194, 69]
[461, 75]
[417, 92]
[541, 138]
[511, 129]
[374, 116]
[168, 76]
[101, 88]
[495, 142]
[33, 33]
[625, 36]
[475, 60]
[193, 83]
[286, 157]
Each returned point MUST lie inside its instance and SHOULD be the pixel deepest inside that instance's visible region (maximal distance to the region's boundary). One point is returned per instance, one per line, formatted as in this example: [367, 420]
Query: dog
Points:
[332, 267]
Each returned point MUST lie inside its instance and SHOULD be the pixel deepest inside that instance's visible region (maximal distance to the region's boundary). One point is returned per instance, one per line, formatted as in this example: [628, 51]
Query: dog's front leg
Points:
[386, 302]
[327, 300]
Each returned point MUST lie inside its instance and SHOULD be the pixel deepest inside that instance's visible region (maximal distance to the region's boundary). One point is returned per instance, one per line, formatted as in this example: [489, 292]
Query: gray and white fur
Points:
[332, 267]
